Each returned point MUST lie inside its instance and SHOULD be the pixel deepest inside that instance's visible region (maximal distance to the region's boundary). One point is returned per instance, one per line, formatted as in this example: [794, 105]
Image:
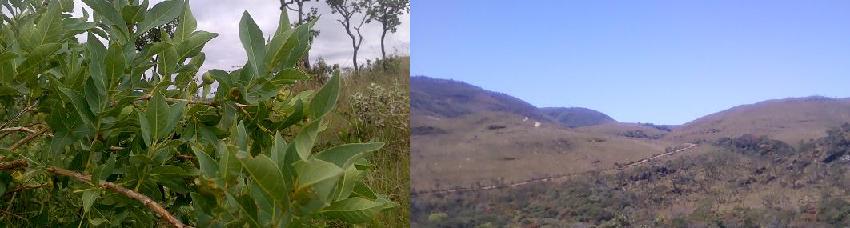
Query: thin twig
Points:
[147, 201]
[27, 139]
[13, 129]
[24, 188]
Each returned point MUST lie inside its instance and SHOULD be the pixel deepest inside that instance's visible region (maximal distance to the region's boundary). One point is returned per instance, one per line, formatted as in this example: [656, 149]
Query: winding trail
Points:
[683, 148]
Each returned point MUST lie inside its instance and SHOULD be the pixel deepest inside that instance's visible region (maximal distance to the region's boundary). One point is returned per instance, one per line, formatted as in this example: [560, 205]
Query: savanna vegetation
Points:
[117, 132]
[747, 181]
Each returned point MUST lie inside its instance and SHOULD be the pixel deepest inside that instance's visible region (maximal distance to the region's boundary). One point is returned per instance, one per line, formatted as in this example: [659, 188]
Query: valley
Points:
[493, 150]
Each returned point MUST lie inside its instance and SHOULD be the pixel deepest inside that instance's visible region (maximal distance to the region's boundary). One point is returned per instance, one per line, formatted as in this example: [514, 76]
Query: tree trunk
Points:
[305, 62]
[383, 52]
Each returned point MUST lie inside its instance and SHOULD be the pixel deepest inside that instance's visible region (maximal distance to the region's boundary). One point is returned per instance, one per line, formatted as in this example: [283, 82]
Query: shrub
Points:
[130, 142]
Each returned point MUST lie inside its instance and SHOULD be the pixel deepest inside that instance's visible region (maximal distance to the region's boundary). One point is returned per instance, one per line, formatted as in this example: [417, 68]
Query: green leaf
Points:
[159, 119]
[295, 47]
[253, 42]
[167, 62]
[240, 136]
[345, 155]
[88, 198]
[97, 55]
[313, 171]
[267, 176]
[38, 56]
[186, 24]
[355, 210]
[50, 25]
[95, 97]
[229, 167]
[325, 99]
[349, 179]
[133, 13]
[160, 14]
[115, 64]
[107, 12]
[305, 139]
[194, 43]
[106, 169]
[278, 153]
[79, 104]
[209, 168]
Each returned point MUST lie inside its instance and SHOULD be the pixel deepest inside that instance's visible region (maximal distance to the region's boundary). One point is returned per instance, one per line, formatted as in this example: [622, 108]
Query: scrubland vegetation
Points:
[748, 181]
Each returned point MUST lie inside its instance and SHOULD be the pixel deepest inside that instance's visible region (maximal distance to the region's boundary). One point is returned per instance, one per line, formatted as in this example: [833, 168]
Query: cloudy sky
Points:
[225, 52]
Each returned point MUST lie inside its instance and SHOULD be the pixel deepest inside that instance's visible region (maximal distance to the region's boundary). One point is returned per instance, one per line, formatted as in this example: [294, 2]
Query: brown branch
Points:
[147, 201]
[27, 139]
[13, 129]
[16, 164]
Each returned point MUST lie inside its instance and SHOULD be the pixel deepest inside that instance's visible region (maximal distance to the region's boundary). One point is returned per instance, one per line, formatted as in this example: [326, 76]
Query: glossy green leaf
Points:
[167, 61]
[107, 12]
[50, 25]
[114, 66]
[160, 14]
[194, 43]
[186, 24]
[97, 56]
[253, 42]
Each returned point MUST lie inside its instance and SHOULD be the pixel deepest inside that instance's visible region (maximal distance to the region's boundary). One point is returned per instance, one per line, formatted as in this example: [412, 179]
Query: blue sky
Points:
[665, 62]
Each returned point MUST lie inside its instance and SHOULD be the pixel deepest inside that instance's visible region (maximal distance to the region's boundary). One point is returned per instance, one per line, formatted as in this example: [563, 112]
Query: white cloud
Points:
[225, 52]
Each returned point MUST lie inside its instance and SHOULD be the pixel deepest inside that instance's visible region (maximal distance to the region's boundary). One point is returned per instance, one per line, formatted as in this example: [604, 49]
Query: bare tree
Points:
[348, 9]
[387, 13]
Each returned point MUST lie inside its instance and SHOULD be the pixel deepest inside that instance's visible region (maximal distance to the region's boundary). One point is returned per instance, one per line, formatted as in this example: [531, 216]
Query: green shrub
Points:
[129, 141]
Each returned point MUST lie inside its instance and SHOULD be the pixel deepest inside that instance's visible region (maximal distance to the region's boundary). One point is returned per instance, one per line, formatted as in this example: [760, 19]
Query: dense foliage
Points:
[95, 136]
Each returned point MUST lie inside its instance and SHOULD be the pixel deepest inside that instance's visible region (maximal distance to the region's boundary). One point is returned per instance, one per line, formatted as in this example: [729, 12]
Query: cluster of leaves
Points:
[106, 110]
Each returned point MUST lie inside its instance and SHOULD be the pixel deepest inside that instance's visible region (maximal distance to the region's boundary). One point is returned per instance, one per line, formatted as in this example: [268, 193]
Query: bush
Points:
[130, 143]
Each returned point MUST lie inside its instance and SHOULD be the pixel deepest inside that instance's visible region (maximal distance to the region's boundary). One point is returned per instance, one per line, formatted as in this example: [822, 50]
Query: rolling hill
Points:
[463, 135]
[789, 120]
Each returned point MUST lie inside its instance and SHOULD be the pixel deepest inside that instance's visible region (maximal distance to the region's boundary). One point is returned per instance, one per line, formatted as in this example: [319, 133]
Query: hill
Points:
[492, 138]
[449, 98]
[576, 116]
[789, 120]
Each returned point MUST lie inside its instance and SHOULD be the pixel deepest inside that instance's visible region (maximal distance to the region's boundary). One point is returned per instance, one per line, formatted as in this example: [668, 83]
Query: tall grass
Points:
[375, 106]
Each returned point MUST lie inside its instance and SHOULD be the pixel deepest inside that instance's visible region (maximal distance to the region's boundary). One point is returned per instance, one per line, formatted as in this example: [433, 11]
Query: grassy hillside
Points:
[498, 148]
[448, 98]
[769, 164]
[742, 182]
[576, 116]
[789, 120]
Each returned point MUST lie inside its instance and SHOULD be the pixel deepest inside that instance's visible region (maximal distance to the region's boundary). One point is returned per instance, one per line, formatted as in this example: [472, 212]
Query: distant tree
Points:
[387, 13]
[305, 14]
[348, 9]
